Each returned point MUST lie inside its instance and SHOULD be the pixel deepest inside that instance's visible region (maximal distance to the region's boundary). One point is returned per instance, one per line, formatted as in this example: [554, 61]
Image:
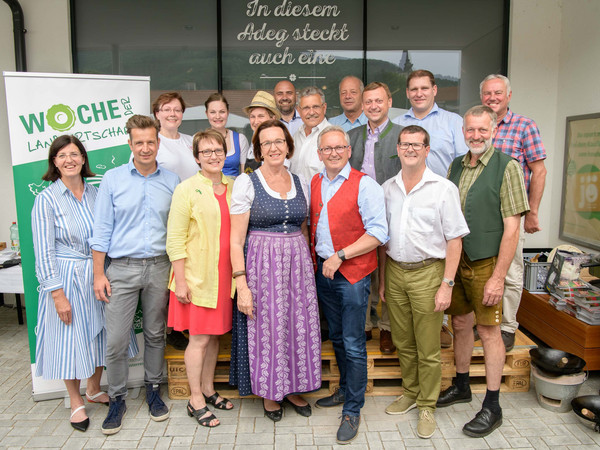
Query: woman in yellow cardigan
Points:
[201, 281]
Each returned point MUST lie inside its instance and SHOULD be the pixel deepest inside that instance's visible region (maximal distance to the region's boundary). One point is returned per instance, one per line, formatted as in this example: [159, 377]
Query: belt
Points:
[141, 261]
[417, 265]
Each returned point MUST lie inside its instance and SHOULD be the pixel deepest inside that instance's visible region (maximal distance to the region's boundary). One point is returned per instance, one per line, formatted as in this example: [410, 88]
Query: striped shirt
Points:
[519, 137]
[513, 196]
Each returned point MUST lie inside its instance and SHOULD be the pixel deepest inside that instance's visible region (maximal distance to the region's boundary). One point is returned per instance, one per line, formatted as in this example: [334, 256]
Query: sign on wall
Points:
[307, 42]
[580, 213]
[41, 107]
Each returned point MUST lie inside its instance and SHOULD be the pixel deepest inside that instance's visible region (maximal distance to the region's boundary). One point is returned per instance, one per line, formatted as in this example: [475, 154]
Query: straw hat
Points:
[265, 100]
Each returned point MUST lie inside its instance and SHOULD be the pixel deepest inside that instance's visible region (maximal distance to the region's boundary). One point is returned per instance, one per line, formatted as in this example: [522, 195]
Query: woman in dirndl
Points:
[276, 343]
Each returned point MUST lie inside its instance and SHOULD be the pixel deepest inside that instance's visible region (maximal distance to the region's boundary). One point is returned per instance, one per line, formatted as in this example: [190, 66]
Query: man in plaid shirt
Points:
[519, 137]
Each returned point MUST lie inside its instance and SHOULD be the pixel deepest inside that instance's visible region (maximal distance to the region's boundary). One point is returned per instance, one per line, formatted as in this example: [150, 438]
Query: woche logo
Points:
[62, 118]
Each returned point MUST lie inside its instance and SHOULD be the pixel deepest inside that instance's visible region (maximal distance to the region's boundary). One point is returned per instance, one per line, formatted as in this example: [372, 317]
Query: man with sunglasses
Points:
[417, 269]
[347, 224]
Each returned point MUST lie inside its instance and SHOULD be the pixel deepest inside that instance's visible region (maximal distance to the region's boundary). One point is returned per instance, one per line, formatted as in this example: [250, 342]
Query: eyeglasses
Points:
[64, 156]
[268, 144]
[415, 145]
[208, 153]
[339, 149]
[311, 108]
[171, 110]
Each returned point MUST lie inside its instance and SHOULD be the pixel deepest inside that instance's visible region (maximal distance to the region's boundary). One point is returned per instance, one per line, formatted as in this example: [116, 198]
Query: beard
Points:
[487, 143]
[286, 108]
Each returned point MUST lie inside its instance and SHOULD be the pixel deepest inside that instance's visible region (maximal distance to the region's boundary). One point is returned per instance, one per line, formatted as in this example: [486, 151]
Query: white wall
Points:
[48, 47]
[554, 59]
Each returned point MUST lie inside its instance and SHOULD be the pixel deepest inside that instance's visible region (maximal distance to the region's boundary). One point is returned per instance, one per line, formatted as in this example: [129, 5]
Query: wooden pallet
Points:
[383, 371]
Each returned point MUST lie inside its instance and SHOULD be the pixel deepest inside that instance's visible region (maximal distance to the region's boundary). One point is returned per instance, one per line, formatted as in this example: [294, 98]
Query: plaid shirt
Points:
[519, 137]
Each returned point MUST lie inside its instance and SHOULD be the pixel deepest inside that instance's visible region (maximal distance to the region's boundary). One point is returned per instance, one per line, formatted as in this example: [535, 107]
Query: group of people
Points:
[213, 234]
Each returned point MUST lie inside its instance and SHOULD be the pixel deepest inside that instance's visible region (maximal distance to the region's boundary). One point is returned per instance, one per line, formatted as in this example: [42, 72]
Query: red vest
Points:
[345, 224]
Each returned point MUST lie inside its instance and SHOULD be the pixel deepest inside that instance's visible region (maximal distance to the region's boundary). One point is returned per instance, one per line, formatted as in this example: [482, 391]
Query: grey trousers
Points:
[131, 279]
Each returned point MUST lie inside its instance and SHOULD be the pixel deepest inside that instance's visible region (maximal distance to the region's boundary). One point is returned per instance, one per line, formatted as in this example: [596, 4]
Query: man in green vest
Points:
[493, 199]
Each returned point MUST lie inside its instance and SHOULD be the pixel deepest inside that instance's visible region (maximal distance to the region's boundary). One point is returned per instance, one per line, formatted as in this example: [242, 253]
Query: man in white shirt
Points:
[312, 107]
[417, 269]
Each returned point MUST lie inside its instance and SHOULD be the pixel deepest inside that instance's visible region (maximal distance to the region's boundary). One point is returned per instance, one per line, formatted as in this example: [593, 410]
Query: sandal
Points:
[83, 425]
[92, 398]
[212, 400]
[198, 413]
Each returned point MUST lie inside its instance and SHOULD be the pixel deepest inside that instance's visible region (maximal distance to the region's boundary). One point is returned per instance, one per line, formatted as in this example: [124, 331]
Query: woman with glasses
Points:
[70, 339]
[276, 343]
[174, 154]
[175, 149]
[217, 112]
[201, 285]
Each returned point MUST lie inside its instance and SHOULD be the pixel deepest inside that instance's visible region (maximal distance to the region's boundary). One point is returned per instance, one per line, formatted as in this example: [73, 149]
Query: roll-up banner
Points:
[41, 107]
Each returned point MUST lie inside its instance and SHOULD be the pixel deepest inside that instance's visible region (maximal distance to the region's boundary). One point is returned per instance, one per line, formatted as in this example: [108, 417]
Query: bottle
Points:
[14, 238]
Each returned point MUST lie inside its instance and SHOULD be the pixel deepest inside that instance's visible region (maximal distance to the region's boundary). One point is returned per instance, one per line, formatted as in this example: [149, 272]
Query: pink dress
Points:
[200, 320]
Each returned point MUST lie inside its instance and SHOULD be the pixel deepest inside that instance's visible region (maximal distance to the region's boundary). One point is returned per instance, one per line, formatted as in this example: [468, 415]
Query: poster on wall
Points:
[41, 107]
[580, 213]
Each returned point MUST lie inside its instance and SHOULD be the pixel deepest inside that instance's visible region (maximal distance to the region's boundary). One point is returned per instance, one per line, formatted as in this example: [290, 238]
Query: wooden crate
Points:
[383, 371]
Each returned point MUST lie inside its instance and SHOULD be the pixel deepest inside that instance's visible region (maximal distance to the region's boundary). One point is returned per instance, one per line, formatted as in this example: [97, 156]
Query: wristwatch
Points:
[448, 282]
[341, 255]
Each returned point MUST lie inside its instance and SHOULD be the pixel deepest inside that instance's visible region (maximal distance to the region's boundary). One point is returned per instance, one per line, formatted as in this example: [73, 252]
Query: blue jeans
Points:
[345, 306]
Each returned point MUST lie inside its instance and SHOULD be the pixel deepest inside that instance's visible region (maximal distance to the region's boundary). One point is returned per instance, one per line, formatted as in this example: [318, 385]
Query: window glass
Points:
[460, 42]
[310, 43]
[174, 42]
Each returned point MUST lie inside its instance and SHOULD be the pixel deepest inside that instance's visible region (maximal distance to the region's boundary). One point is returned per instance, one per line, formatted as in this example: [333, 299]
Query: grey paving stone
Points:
[254, 439]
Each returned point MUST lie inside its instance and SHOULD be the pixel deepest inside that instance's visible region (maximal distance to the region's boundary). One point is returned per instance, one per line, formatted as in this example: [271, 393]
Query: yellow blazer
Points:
[193, 233]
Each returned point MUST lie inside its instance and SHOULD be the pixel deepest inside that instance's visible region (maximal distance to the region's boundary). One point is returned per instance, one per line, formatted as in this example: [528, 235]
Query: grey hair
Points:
[331, 129]
[480, 110]
[495, 76]
[311, 90]
[360, 82]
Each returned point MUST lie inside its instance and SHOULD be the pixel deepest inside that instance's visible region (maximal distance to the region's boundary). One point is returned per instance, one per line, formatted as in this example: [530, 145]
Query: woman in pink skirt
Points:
[201, 283]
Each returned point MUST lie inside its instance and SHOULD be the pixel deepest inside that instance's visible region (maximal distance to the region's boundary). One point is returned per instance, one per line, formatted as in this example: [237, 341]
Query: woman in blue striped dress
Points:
[70, 331]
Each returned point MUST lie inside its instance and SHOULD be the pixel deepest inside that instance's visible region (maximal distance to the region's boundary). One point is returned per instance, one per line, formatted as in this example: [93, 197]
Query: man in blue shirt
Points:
[444, 127]
[285, 97]
[351, 89]
[347, 224]
[446, 137]
[131, 228]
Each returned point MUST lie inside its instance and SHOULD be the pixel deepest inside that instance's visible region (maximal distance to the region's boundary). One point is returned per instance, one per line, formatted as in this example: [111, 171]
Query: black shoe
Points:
[368, 335]
[509, 340]
[453, 395]
[336, 399]
[84, 424]
[276, 415]
[305, 410]
[177, 340]
[348, 429]
[484, 423]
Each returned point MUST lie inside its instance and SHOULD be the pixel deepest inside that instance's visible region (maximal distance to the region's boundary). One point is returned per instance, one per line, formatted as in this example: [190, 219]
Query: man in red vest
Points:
[347, 224]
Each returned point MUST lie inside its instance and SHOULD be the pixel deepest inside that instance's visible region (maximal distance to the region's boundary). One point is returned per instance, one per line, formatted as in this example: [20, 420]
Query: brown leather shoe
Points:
[385, 342]
[369, 335]
[445, 337]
